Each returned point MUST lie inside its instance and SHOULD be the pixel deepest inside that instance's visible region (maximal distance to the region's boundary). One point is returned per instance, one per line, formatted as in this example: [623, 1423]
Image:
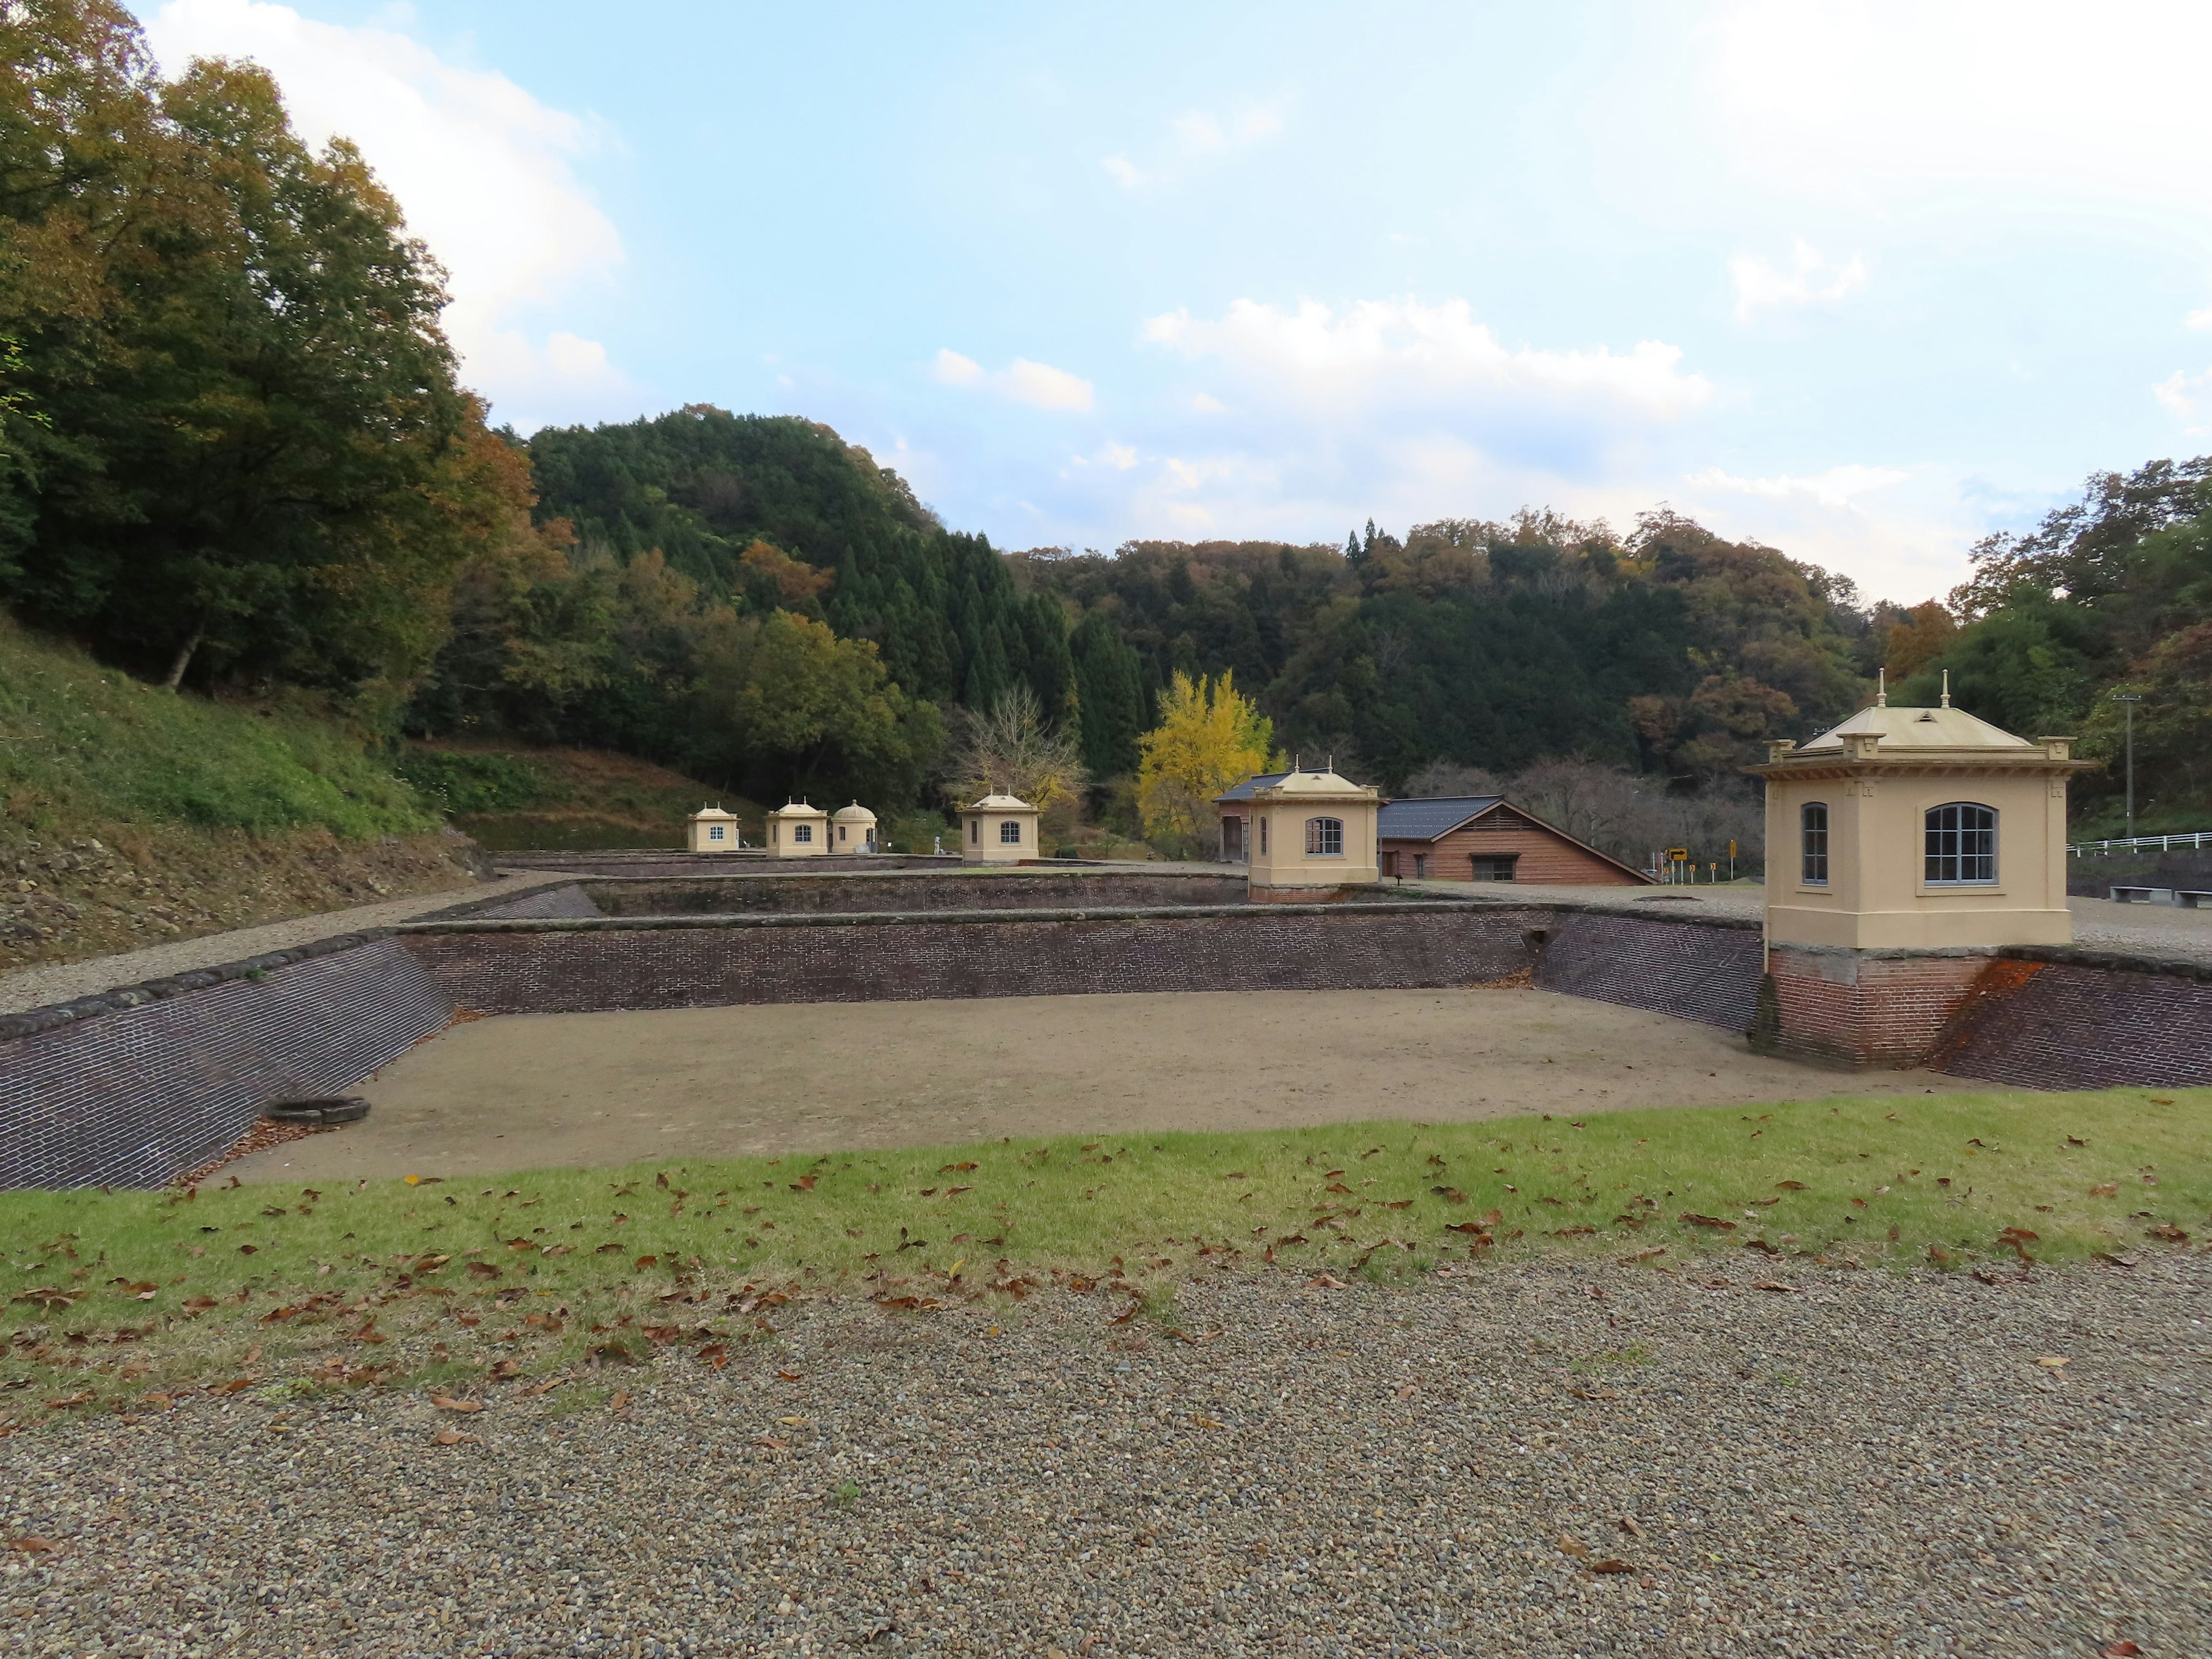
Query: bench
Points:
[2190, 898]
[2135, 895]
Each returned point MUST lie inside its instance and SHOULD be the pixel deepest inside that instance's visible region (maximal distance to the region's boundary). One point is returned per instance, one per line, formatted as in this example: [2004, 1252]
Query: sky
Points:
[1866, 281]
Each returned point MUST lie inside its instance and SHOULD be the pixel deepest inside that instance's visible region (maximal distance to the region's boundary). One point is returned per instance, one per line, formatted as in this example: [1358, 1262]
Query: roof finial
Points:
[1947, 687]
[1882, 688]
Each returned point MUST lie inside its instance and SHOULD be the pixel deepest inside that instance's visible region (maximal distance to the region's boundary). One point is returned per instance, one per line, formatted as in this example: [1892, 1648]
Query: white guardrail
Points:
[2202, 838]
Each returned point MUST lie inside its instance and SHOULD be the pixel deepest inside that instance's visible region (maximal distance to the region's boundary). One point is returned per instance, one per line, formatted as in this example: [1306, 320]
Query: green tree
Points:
[805, 709]
[255, 449]
[1109, 692]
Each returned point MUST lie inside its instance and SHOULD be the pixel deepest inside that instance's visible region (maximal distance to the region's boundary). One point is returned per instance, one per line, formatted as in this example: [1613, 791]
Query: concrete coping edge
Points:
[32, 1021]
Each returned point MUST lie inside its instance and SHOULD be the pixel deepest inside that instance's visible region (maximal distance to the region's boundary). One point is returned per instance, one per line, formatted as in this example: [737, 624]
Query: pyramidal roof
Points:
[1001, 804]
[1917, 728]
[1319, 782]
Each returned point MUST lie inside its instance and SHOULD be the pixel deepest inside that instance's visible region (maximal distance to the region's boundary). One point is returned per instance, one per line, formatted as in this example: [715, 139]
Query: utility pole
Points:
[2129, 704]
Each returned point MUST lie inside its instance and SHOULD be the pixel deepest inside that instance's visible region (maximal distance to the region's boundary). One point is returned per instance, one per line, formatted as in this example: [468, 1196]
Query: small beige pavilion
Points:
[710, 830]
[1917, 830]
[796, 830]
[1312, 835]
[852, 830]
[998, 829]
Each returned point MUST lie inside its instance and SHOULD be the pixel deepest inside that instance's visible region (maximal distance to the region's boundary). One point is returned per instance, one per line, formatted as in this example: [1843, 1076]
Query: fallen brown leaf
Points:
[447, 1403]
[1573, 1547]
[453, 1438]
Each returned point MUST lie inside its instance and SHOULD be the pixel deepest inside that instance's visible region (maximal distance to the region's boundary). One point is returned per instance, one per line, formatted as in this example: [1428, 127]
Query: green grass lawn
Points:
[115, 1297]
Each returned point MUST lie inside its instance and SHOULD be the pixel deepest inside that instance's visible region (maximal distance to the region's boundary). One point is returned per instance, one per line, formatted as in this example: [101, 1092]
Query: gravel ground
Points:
[1870, 1464]
[38, 988]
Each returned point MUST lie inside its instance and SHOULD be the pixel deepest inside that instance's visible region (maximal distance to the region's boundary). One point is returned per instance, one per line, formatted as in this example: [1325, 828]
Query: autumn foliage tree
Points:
[1210, 737]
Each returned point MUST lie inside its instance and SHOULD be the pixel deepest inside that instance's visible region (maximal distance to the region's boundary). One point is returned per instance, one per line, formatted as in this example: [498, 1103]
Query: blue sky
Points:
[1863, 281]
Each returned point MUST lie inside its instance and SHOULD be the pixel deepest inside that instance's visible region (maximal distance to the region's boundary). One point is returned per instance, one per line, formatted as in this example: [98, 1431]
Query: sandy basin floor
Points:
[529, 1090]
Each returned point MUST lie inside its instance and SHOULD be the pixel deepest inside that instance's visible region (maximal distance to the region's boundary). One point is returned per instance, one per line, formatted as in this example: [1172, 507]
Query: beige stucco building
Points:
[1312, 833]
[1917, 828]
[796, 830]
[998, 829]
[710, 830]
[852, 830]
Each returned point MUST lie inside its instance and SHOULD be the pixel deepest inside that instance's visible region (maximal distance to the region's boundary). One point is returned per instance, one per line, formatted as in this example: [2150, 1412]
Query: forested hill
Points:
[703, 486]
[1492, 644]
[1495, 644]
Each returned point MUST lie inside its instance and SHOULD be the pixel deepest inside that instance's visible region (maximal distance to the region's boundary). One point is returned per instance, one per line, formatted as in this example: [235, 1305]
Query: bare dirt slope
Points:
[529, 1091]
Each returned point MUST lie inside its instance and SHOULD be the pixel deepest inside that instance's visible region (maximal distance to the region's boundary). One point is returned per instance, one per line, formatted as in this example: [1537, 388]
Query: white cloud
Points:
[481, 168]
[1204, 404]
[1871, 100]
[2199, 321]
[2187, 398]
[1038, 385]
[1393, 351]
[1838, 487]
[1196, 136]
[1809, 280]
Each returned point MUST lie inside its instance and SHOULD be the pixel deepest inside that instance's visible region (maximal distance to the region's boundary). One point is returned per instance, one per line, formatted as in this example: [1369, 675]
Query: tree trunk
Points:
[185, 657]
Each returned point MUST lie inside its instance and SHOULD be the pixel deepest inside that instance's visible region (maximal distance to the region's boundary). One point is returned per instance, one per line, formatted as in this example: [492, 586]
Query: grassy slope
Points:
[130, 814]
[89, 748]
[511, 797]
[442, 1283]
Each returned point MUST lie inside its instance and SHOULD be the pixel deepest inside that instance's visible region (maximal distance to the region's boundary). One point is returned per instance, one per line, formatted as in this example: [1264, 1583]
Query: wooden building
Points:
[1452, 838]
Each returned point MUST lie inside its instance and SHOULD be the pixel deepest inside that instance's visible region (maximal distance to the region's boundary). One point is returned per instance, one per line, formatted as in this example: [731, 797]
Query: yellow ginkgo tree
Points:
[1210, 737]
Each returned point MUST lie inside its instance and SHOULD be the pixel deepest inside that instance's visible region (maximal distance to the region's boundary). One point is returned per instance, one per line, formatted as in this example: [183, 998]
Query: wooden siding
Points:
[1544, 857]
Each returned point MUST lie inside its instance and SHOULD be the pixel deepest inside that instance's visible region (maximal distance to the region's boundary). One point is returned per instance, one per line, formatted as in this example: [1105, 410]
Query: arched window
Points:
[802, 833]
[1325, 837]
[714, 832]
[1962, 844]
[1812, 841]
[1010, 832]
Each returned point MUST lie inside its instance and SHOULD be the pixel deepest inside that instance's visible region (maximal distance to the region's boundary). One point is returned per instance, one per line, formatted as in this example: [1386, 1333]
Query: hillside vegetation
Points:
[235, 457]
[130, 814]
[507, 797]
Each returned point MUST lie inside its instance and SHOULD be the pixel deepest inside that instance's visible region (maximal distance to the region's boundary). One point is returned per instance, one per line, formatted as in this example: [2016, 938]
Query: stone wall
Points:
[133, 1096]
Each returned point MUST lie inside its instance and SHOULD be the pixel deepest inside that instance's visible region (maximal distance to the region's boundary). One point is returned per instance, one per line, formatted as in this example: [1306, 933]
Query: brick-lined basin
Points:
[134, 1087]
[862, 892]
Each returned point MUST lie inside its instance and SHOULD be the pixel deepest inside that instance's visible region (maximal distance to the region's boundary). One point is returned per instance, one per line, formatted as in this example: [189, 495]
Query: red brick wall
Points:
[1857, 1010]
[1546, 858]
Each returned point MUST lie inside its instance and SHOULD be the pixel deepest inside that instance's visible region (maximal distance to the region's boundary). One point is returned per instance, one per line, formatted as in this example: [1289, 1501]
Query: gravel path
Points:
[38, 988]
[1866, 1465]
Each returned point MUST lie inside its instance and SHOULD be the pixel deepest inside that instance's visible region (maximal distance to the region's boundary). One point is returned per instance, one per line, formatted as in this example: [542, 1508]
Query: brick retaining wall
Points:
[138, 1095]
[1704, 969]
[2058, 1024]
[908, 957]
[1858, 1008]
[867, 893]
